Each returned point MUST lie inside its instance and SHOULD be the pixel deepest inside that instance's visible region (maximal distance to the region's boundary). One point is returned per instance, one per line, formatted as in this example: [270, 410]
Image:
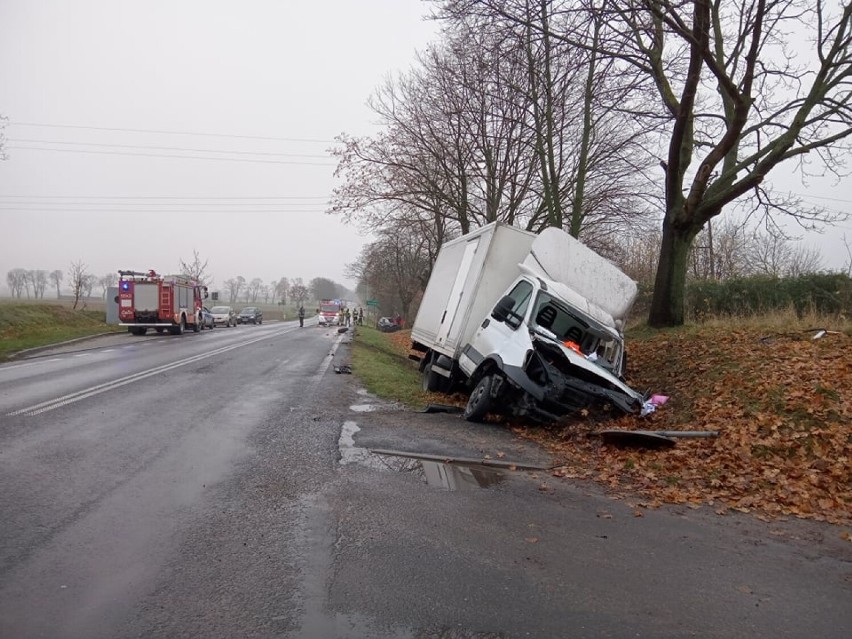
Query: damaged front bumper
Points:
[554, 381]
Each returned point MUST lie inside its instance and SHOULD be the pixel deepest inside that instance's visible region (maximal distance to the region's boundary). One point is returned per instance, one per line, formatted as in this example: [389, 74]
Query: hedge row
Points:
[821, 293]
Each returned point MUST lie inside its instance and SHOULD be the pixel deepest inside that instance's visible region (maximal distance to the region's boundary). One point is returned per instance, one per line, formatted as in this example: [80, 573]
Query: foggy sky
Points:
[301, 71]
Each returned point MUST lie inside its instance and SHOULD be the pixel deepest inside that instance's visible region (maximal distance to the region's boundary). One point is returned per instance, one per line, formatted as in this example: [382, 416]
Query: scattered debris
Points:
[460, 460]
[819, 333]
[651, 405]
[636, 438]
[343, 369]
[441, 408]
[650, 438]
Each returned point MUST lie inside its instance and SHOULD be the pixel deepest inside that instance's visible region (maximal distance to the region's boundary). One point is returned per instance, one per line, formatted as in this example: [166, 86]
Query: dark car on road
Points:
[250, 315]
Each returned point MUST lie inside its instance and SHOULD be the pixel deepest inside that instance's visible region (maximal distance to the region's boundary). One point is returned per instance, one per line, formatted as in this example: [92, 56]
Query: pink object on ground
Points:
[659, 400]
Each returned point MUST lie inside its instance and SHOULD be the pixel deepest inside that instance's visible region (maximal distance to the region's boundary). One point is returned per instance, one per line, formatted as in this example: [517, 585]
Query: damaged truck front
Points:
[531, 324]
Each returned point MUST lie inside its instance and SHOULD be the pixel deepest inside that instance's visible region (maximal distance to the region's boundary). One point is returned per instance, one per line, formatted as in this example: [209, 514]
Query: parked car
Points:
[387, 325]
[250, 315]
[207, 320]
[224, 315]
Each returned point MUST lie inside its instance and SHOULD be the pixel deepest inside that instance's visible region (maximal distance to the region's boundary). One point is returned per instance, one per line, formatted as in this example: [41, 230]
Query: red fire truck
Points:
[162, 302]
[329, 311]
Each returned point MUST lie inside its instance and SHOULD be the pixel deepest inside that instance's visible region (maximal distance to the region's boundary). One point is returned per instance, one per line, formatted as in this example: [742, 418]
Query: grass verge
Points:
[24, 326]
[380, 360]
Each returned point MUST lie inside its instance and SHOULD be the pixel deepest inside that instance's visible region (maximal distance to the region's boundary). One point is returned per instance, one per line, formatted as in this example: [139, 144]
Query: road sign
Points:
[373, 303]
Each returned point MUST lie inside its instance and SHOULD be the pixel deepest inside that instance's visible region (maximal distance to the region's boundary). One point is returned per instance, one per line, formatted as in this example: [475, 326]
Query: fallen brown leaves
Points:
[782, 406]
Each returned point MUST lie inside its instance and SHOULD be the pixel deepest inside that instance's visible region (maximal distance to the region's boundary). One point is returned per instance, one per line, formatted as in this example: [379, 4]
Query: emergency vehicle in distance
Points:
[329, 312]
[162, 302]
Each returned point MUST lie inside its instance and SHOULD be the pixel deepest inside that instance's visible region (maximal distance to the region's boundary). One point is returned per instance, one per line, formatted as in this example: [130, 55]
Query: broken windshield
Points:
[571, 327]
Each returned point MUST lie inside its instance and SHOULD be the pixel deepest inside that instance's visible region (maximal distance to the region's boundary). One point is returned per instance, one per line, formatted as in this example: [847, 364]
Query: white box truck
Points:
[532, 324]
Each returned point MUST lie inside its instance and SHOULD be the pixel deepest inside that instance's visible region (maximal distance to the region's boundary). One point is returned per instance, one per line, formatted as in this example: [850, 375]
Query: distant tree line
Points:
[32, 284]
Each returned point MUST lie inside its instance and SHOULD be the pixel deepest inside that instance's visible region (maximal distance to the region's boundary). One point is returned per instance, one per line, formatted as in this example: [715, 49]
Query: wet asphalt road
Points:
[219, 485]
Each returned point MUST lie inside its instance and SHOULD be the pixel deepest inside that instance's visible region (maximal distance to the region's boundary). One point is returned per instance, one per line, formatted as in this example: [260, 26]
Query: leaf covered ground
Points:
[781, 402]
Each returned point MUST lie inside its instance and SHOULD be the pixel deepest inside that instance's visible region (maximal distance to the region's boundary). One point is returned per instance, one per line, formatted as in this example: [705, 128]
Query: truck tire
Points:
[197, 326]
[431, 381]
[179, 329]
[480, 400]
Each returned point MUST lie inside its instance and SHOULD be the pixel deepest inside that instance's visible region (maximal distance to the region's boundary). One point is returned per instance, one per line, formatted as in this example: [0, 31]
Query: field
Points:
[28, 325]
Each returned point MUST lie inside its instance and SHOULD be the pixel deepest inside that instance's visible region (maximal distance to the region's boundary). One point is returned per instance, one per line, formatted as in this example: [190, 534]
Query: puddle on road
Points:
[453, 477]
[364, 408]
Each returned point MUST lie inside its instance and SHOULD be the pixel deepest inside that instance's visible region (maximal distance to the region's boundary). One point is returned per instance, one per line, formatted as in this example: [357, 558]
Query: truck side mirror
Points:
[503, 309]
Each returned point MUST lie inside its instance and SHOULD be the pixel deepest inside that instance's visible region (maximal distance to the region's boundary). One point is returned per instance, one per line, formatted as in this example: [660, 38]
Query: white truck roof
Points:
[559, 257]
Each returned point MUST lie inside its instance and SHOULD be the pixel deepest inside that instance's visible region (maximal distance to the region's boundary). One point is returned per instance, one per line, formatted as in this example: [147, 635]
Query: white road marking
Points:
[71, 398]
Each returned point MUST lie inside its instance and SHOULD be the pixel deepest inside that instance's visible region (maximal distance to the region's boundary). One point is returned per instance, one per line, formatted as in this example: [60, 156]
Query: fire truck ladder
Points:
[165, 297]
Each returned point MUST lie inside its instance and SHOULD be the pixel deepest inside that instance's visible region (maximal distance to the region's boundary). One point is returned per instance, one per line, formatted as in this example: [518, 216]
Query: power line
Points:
[169, 197]
[163, 155]
[165, 132]
[167, 148]
[48, 206]
[820, 197]
[158, 211]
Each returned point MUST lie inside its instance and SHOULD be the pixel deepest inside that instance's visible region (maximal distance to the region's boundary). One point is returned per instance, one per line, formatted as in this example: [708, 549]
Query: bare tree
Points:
[393, 269]
[78, 276]
[196, 269]
[282, 289]
[719, 251]
[16, 280]
[56, 280]
[739, 106]
[39, 280]
[89, 284]
[234, 286]
[777, 256]
[322, 288]
[298, 291]
[637, 254]
[252, 289]
[485, 129]
[105, 281]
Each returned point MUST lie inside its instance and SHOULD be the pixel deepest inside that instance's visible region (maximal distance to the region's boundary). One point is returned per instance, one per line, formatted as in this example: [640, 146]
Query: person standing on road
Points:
[348, 316]
[301, 316]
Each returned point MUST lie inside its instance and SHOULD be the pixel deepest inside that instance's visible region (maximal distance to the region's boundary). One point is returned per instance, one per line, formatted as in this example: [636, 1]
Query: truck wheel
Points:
[480, 400]
[197, 326]
[179, 329]
[430, 380]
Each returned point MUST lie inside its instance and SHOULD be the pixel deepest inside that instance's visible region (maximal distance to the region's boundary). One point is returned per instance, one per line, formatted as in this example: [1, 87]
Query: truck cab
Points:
[539, 355]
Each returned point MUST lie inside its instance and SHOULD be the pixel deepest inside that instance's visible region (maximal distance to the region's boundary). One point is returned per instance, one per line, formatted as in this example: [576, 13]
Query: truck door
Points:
[509, 340]
[457, 291]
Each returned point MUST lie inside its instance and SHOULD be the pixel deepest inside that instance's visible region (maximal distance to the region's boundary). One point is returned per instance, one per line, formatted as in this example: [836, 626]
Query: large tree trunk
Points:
[667, 305]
